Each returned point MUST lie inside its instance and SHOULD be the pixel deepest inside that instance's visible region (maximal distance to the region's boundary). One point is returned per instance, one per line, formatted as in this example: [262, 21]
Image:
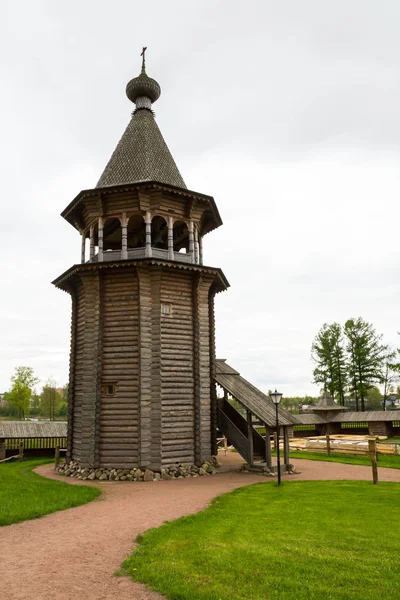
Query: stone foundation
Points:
[177, 471]
[272, 471]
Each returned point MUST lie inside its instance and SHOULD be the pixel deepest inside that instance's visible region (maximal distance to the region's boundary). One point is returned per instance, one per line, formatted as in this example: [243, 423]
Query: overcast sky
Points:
[286, 112]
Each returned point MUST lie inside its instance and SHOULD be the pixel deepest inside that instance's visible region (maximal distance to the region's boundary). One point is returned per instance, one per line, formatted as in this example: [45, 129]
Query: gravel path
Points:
[72, 555]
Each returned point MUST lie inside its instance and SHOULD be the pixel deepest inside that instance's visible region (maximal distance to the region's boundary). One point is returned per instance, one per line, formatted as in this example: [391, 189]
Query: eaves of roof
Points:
[79, 268]
[141, 184]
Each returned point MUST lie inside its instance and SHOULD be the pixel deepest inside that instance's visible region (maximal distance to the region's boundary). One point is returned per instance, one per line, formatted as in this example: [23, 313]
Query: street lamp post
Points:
[276, 398]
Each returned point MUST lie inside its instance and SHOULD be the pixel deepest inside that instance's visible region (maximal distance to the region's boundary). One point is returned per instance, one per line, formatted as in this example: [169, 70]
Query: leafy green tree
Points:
[20, 394]
[366, 357]
[50, 399]
[374, 398]
[34, 408]
[63, 409]
[390, 374]
[328, 353]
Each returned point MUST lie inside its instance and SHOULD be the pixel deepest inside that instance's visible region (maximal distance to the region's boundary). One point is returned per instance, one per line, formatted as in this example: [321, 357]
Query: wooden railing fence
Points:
[41, 443]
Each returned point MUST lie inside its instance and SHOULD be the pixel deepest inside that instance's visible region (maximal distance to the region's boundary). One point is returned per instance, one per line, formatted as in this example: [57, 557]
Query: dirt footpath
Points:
[72, 554]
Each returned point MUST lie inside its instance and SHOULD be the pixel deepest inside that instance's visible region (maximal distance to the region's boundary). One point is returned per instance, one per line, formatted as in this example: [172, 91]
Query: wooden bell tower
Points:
[142, 361]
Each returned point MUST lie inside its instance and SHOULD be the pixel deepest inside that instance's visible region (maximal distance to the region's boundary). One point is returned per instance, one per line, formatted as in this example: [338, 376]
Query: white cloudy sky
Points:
[286, 112]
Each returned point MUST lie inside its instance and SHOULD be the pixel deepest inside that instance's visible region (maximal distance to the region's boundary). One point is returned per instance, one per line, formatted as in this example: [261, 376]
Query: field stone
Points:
[92, 476]
[148, 475]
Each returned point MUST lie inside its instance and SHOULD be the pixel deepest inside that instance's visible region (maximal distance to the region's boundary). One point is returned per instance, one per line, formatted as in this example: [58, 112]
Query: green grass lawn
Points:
[25, 495]
[391, 461]
[330, 540]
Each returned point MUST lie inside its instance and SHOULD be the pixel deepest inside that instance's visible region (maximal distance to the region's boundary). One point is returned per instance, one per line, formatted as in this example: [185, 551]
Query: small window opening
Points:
[110, 389]
[166, 309]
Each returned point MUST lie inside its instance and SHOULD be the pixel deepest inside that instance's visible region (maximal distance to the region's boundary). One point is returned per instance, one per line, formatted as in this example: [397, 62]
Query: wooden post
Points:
[100, 240]
[21, 451]
[148, 251]
[170, 238]
[91, 247]
[2, 450]
[57, 458]
[250, 437]
[196, 246]
[83, 247]
[124, 237]
[200, 250]
[286, 458]
[372, 452]
[268, 459]
[191, 241]
[225, 444]
[328, 445]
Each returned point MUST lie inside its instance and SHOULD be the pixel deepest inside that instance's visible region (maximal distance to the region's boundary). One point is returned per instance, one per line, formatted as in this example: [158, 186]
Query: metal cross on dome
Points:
[142, 54]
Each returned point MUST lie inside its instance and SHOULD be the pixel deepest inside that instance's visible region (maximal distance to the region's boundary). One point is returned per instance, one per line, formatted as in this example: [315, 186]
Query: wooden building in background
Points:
[142, 361]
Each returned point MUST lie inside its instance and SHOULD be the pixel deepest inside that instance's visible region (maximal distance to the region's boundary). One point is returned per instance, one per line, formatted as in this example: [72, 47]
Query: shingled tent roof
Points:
[326, 402]
[141, 154]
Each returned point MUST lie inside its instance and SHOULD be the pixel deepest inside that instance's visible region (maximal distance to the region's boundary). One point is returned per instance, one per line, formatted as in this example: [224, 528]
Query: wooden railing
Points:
[46, 443]
[234, 435]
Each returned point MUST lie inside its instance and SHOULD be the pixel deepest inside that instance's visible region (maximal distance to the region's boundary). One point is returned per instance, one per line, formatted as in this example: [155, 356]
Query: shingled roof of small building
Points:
[141, 153]
[326, 402]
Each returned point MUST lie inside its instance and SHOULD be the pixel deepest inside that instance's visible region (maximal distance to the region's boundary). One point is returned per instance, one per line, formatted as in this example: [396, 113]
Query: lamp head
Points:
[276, 397]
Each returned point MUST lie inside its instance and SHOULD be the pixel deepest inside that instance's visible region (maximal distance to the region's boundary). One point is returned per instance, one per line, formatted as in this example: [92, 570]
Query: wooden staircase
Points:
[239, 430]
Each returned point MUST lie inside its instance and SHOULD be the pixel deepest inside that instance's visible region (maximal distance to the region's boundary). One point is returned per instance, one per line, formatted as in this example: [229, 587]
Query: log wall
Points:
[177, 360]
[378, 428]
[159, 365]
[119, 413]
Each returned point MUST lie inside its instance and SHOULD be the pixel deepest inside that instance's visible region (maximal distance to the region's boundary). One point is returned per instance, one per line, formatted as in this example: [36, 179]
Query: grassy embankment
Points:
[303, 540]
[25, 495]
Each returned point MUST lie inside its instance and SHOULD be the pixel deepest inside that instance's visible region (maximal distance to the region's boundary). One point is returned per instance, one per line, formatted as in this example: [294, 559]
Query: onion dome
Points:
[143, 90]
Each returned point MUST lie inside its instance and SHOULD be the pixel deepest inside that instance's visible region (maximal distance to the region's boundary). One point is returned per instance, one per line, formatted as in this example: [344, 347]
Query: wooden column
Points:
[200, 250]
[124, 227]
[90, 359]
[148, 252]
[150, 368]
[191, 242]
[268, 458]
[170, 239]
[286, 458]
[213, 394]
[196, 246]
[91, 242]
[201, 368]
[328, 445]
[372, 453]
[72, 367]
[250, 437]
[57, 457]
[100, 236]
[83, 247]
[2, 449]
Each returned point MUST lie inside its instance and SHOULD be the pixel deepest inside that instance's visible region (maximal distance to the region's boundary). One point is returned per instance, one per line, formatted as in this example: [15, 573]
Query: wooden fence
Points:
[341, 444]
[39, 443]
